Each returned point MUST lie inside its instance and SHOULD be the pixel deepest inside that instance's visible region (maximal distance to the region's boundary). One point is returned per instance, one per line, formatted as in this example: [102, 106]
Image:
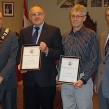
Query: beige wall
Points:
[14, 23]
[54, 15]
[60, 16]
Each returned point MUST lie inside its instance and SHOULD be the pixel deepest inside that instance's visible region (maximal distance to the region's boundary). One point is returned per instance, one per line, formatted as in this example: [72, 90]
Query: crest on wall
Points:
[70, 3]
[67, 4]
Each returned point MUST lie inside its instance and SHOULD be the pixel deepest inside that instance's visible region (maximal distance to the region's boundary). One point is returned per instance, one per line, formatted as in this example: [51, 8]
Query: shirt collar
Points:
[77, 32]
[39, 26]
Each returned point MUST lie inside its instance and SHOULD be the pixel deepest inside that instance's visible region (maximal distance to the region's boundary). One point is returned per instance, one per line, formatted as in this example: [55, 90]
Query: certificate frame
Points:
[29, 54]
[69, 69]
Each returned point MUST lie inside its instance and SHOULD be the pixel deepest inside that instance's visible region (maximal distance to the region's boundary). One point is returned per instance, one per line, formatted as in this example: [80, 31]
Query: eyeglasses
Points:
[38, 14]
[76, 16]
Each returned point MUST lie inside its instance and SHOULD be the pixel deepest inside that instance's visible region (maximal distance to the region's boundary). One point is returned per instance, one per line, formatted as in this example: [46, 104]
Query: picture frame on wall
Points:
[8, 9]
[68, 4]
[106, 3]
[96, 3]
[82, 2]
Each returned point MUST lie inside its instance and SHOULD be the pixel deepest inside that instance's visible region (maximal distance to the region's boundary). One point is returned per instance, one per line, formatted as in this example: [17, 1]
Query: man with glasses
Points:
[80, 42]
[102, 78]
[40, 85]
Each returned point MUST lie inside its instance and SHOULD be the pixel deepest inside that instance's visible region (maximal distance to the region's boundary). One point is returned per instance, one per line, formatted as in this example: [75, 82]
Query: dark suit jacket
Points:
[103, 69]
[46, 76]
[8, 52]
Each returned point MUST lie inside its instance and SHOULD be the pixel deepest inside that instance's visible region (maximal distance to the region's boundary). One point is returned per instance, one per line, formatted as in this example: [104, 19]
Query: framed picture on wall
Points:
[82, 2]
[106, 3]
[96, 3]
[68, 4]
[8, 9]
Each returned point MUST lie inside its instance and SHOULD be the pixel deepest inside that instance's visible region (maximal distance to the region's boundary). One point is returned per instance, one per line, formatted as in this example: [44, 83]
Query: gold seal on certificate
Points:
[68, 69]
[30, 57]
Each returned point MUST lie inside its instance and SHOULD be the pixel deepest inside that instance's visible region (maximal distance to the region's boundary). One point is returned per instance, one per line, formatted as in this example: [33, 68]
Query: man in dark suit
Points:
[40, 85]
[8, 81]
[102, 78]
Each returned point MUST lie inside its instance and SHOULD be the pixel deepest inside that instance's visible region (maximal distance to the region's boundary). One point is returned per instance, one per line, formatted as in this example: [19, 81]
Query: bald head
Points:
[36, 8]
[1, 19]
[0, 15]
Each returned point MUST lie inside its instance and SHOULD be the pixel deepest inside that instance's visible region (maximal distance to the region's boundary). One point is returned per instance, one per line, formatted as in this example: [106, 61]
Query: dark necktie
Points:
[35, 35]
[107, 47]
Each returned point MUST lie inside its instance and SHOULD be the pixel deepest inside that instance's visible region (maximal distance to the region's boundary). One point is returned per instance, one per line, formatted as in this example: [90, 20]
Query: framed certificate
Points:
[68, 69]
[30, 57]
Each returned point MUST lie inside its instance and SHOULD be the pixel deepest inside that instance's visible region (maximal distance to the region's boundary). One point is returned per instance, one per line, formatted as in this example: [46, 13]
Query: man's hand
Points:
[95, 88]
[78, 83]
[57, 78]
[21, 71]
[1, 79]
[43, 47]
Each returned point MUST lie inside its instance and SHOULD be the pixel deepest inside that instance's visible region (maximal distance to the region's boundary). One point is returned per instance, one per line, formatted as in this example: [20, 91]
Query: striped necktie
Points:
[35, 35]
[107, 47]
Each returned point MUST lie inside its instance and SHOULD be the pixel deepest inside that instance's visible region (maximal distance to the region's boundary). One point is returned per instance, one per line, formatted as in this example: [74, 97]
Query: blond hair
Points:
[79, 8]
[1, 16]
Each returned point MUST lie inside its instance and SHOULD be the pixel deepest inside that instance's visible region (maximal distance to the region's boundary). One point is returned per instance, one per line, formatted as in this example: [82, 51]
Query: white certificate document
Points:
[30, 58]
[69, 68]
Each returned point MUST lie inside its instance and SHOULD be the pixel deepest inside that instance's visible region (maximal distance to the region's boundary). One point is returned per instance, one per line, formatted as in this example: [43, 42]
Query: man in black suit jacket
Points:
[40, 85]
[8, 81]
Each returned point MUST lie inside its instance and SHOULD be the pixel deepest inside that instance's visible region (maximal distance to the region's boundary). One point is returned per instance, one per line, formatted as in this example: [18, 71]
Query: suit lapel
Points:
[29, 37]
[43, 33]
[103, 41]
